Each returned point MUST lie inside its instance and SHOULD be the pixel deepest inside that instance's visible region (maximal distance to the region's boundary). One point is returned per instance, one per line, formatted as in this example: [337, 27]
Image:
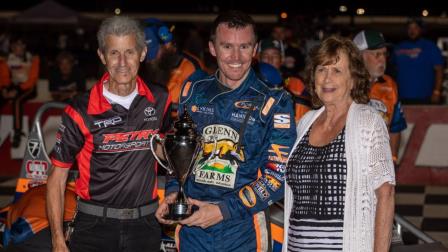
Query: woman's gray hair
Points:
[120, 26]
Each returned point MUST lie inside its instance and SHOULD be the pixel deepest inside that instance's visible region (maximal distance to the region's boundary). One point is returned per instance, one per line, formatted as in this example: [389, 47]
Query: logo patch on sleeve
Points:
[276, 167]
[278, 153]
[272, 183]
[248, 197]
[282, 121]
[267, 107]
[261, 190]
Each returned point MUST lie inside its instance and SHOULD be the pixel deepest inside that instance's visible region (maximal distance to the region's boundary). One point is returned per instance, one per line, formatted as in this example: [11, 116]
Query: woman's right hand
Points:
[163, 209]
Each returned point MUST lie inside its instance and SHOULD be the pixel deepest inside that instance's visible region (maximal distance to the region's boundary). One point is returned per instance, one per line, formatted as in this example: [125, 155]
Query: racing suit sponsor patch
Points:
[245, 105]
[277, 154]
[276, 167]
[247, 196]
[267, 107]
[272, 182]
[202, 109]
[217, 163]
[186, 88]
[260, 190]
[240, 117]
[273, 173]
[282, 121]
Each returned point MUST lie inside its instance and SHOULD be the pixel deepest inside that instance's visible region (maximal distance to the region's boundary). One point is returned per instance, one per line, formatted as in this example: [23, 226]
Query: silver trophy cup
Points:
[180, 151]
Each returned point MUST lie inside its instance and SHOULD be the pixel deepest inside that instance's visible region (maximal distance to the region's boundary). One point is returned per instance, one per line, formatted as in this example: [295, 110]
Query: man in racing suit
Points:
[383, 93]
[248, 131]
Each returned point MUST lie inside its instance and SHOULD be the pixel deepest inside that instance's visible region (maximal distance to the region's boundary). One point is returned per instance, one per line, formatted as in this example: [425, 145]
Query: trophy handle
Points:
[158, 138]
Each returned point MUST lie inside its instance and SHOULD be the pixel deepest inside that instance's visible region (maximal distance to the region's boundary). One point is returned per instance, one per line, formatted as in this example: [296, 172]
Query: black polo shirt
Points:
[111, 145]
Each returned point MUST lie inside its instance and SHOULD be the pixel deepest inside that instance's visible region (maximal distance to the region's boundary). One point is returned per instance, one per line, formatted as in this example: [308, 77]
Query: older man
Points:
[106, 132]
[383, 93]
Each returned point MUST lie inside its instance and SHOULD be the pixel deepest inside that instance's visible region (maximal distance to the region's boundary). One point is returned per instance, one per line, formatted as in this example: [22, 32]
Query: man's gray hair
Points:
[120, 26]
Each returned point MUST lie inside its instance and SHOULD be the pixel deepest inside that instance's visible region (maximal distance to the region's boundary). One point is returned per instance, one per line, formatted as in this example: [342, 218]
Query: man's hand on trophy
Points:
[207, 215]
[163, 209]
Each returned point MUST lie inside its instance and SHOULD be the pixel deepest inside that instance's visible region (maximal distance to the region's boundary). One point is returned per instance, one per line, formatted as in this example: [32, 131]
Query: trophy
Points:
[180, 151]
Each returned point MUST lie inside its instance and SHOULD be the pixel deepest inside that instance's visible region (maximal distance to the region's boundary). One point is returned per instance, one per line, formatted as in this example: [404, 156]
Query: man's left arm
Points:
[269, 187]
[438, 81]
[438, 62]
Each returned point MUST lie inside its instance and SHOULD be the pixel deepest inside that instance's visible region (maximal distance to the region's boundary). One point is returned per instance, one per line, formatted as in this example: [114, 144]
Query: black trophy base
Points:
[178, 211]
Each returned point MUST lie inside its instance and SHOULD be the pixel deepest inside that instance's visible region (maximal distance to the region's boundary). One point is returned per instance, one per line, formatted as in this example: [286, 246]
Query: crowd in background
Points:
[67, 59]
[344, 75]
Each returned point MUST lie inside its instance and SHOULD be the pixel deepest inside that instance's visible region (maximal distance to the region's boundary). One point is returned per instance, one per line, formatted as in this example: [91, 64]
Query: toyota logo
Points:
[150, 111]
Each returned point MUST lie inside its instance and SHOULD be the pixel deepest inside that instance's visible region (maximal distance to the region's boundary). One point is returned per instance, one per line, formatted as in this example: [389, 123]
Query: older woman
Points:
[339, 179]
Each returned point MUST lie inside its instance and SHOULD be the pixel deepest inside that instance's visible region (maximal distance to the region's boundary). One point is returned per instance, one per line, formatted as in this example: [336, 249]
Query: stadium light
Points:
[360, 11]
[284, 15]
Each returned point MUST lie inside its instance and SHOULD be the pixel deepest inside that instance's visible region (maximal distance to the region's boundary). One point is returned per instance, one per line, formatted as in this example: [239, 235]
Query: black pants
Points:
[100, 234]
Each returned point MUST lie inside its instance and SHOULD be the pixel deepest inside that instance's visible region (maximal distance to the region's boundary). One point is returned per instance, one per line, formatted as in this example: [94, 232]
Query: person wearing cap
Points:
[271, 51]
[383, 92]
[165, 65]
[107, 132]
[419, 67]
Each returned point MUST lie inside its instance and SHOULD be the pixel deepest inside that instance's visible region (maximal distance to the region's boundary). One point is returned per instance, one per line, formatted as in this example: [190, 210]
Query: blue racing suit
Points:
[248, 134]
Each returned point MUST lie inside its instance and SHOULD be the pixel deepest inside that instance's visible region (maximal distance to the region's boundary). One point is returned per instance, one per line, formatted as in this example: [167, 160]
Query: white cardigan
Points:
[369, 165]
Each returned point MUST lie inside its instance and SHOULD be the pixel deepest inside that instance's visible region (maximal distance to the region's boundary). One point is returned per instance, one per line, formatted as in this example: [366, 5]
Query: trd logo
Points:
[108, 122]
